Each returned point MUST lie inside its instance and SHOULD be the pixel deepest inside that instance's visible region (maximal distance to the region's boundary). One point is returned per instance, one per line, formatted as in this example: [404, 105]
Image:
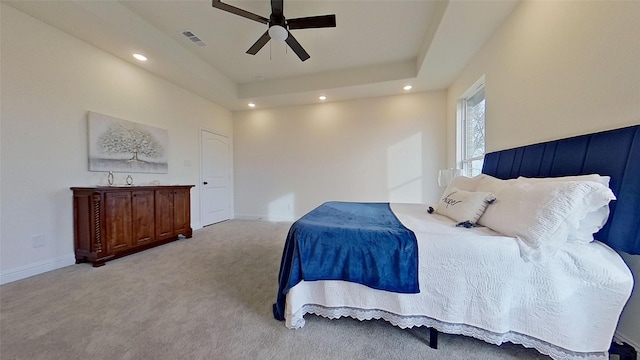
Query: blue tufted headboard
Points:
[615, 153]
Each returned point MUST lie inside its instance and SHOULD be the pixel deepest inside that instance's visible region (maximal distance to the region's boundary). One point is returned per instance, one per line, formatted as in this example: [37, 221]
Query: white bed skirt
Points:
[406, 322]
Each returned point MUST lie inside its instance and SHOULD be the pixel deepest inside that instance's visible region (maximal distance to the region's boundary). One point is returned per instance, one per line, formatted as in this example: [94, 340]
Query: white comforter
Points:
[474, 282]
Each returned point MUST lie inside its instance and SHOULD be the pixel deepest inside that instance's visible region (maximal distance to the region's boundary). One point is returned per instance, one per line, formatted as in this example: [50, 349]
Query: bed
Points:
[547, 285]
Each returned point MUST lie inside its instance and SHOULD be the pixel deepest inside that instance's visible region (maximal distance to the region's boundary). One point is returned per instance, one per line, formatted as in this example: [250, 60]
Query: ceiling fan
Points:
[279, 26]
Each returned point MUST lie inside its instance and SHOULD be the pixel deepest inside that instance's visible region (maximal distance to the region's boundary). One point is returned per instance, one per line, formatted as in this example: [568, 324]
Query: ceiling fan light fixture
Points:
[277, 32]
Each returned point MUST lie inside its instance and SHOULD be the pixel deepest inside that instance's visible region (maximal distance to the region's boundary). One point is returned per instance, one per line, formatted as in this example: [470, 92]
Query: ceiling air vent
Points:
[194, 39]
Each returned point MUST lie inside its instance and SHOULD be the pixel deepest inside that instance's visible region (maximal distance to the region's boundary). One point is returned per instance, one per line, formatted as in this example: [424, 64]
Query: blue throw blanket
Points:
[358, 242]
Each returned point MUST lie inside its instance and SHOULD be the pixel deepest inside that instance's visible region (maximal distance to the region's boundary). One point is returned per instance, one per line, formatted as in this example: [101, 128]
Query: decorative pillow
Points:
[593, 212]
[463, 206]
[540, 215]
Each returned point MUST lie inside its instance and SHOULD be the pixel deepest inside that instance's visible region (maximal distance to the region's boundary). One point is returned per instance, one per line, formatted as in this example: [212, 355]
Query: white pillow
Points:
[462, 206]
[466, 183]
[584, 227]
[602, 179]
[539, 215]
[493, 185]
[594, 210]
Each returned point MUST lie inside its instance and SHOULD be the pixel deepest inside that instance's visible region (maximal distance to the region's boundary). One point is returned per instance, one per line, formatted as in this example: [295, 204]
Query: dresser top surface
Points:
[129, 187]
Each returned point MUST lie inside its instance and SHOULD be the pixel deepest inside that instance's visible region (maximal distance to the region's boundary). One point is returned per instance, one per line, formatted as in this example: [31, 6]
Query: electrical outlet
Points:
[38, 241]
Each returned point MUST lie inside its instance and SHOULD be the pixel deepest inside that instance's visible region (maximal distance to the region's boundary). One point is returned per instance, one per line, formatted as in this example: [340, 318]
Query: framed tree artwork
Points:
[124, 146]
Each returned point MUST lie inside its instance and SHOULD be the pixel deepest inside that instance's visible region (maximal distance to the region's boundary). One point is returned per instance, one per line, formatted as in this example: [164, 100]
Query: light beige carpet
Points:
[208, 297]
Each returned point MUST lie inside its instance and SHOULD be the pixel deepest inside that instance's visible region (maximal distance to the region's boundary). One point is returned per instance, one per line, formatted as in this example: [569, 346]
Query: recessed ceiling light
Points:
[407, 87]
[251, 105]
[140, 57]
[322, 98]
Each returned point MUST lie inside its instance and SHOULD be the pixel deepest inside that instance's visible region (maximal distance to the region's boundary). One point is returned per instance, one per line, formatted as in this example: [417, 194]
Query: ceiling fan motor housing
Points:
[277, 19]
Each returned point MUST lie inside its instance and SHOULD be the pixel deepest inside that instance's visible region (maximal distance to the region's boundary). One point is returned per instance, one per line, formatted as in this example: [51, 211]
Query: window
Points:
[471, 110]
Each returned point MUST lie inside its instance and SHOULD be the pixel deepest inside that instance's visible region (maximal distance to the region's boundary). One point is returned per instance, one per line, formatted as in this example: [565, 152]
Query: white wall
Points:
[49, 82]
[559, 69]
[290, 160]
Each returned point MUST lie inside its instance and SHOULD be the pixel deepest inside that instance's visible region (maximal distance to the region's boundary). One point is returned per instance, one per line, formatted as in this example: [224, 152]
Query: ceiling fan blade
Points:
[311, 22]
[234, 10]
[297, 48]
[277, 6]
[259, 44]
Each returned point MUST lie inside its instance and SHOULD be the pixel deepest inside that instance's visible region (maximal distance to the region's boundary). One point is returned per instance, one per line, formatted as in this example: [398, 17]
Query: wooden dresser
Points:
[114, 221]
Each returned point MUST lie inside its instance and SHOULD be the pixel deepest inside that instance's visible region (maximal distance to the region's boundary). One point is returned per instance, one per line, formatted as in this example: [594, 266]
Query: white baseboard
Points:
[247, 217]
[264, 217]
[624, 338]
[24, 272]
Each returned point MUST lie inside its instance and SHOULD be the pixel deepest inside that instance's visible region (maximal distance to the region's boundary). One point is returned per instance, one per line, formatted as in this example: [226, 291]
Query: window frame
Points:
[463, 162]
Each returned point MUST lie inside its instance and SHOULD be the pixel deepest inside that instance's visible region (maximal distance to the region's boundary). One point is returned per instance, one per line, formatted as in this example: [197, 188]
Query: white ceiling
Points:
[376, 48]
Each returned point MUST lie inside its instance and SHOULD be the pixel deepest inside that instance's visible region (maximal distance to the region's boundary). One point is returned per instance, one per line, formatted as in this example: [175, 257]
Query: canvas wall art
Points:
[125, 146]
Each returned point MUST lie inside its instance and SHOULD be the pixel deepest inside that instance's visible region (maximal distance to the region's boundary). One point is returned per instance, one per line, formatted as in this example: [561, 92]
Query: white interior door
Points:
[215, 205]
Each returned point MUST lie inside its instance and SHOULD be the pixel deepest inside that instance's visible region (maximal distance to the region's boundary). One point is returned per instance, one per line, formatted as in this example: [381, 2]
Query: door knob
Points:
[205, 183]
